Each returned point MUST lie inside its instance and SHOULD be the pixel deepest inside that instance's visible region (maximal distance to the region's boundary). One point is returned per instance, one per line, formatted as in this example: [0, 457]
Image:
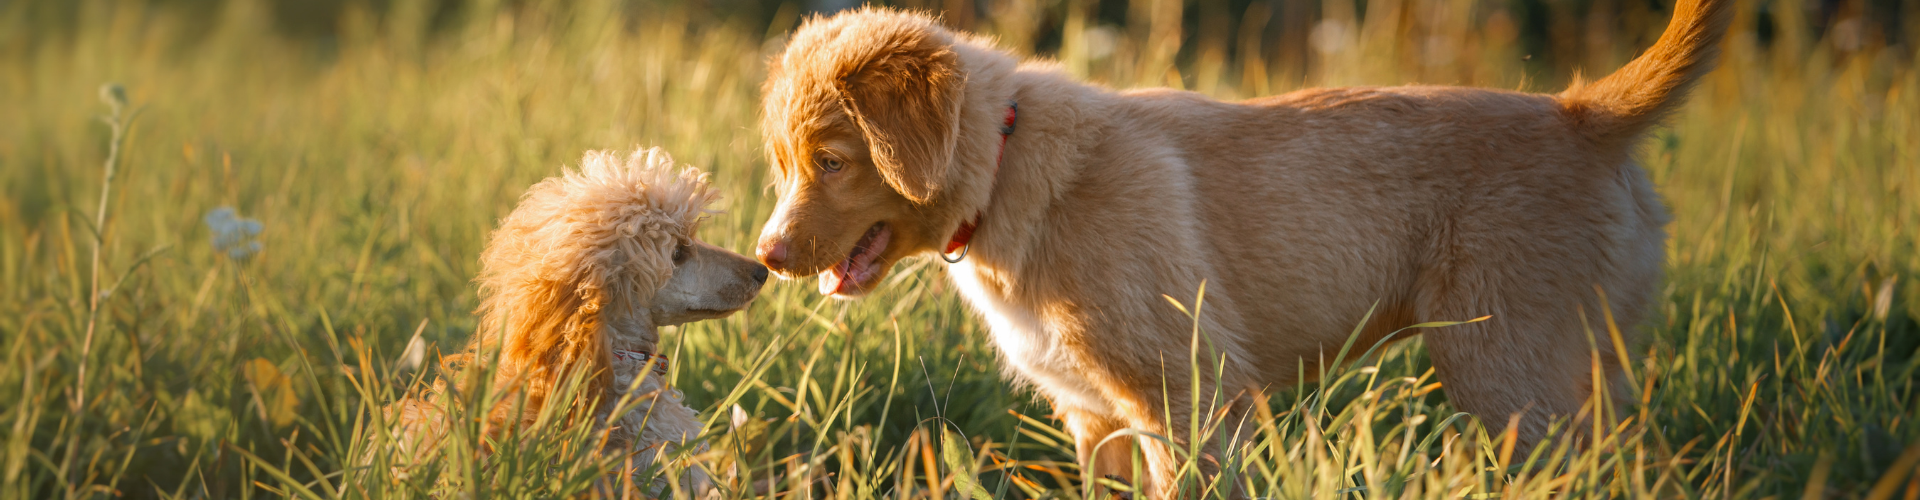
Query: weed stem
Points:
[115, 97]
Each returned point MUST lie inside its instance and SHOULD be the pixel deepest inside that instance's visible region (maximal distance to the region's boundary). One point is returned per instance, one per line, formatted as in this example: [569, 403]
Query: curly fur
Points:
[569, 277]
[580, 252]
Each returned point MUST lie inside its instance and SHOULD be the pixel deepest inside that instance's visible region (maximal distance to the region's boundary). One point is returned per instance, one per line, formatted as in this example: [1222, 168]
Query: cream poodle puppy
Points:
[578, 281]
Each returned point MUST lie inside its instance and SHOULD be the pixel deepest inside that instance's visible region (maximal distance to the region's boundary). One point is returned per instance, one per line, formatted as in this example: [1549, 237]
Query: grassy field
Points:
[140, 359]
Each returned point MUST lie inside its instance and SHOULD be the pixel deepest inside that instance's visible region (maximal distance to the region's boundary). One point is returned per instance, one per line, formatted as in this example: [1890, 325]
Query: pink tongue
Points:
[845, 277]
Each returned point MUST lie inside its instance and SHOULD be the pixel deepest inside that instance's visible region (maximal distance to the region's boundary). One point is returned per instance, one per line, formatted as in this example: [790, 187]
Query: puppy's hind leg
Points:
[1531, 358]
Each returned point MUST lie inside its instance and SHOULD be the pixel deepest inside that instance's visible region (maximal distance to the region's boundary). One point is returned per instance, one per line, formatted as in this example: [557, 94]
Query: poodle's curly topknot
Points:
[608, 220]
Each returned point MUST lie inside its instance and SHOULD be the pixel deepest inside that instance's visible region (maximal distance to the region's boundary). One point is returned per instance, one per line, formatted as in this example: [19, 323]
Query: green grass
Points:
[1782, 363]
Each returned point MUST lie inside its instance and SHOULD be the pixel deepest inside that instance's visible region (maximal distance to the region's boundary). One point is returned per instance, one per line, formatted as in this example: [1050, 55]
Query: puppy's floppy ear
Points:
[906, 101]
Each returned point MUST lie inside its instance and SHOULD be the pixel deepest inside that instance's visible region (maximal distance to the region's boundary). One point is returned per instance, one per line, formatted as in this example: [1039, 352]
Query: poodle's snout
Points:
[759, 273]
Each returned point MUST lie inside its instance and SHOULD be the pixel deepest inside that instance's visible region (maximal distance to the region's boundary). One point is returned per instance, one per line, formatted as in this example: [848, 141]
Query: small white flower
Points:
[233, 235]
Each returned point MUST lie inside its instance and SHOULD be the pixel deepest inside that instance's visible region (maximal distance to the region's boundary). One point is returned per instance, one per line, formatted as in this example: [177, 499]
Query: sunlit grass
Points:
[1782, 362]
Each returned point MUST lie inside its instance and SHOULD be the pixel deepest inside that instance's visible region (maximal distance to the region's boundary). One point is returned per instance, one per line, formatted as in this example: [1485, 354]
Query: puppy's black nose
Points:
[760, 274]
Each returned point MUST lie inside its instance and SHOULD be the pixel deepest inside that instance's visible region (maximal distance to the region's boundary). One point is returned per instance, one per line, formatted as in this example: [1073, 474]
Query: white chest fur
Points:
[1029, 345]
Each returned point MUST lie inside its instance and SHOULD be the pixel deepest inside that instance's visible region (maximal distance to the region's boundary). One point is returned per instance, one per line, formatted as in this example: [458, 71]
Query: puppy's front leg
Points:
[1100, 457]
[1167, 409]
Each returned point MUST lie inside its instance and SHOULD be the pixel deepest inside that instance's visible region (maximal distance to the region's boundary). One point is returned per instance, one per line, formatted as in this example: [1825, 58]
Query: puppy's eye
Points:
[681, 253]
[830, 164]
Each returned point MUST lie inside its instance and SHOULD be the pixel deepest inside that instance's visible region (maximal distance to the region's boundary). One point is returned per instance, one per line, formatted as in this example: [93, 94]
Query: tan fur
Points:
[589, 262]
[1298, 211]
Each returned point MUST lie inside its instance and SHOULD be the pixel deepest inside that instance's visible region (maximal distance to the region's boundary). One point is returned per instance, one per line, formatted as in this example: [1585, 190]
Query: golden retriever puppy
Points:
[578, 280]
[1070, 210]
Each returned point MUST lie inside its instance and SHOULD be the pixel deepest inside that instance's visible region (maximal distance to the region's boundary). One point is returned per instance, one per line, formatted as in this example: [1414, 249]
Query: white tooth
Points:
[830, 281]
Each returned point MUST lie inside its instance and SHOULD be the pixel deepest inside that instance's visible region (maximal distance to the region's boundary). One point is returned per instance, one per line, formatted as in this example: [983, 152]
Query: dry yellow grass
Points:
[1783, 363]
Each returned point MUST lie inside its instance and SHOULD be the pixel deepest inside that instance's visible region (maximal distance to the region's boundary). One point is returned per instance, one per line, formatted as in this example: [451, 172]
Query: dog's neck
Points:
[963, 236]
[632, 332]
[633, 342]
[1014, 185]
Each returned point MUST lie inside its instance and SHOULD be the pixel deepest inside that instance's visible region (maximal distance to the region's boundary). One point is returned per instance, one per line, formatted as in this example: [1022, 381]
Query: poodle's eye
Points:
[830, 164]
[681, 253]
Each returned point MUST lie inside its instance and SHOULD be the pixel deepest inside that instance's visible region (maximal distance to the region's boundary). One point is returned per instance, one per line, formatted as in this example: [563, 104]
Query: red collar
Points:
[964, 235]
[659, 360]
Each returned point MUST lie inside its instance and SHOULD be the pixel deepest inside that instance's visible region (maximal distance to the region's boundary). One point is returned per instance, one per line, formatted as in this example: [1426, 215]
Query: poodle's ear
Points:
[599, 285]
[557, 333]
[541, 303]
[906, 101]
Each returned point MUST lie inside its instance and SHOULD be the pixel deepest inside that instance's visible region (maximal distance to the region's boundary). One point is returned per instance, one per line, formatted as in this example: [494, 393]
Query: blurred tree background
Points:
[1278, 38]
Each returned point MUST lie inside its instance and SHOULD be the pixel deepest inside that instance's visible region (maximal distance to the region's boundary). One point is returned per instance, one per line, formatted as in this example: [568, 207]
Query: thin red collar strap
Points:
[963, 236]
[659, 360]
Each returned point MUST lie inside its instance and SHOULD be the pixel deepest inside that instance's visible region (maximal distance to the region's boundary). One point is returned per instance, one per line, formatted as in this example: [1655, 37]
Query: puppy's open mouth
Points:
[849, 276]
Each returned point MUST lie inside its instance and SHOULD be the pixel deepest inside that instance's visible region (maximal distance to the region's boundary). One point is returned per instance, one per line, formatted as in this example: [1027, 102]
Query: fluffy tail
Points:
[1627, 102]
